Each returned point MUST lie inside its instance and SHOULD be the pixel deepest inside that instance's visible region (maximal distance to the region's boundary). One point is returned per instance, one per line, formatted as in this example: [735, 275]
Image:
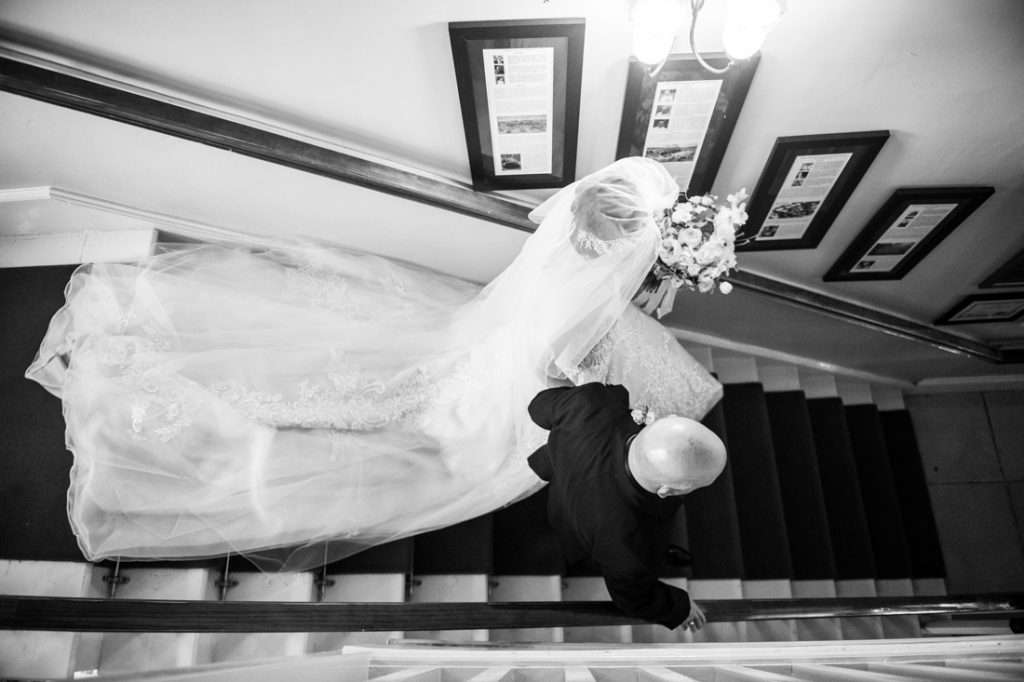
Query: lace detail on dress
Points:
[173, 398]
[329, 292]
[342, 400]
[345, 400]
[643, 356]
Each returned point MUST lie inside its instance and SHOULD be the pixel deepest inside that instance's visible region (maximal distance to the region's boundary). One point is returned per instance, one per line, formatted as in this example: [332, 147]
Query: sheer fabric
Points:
[298, 403]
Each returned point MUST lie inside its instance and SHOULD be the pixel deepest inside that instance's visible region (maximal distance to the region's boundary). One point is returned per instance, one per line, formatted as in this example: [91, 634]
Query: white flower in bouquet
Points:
[697, 249]
[691, 236]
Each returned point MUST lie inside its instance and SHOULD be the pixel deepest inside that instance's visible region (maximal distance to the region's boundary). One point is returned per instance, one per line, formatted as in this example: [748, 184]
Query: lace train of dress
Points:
[298, 403]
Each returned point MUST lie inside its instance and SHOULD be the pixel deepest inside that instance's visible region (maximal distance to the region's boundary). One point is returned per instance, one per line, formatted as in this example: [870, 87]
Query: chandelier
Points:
[656, 23]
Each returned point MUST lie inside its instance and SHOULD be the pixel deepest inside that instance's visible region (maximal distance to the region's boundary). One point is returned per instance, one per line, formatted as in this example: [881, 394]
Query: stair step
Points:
[137, 652]
[922, 537]
[524, 541]
[815, 629]
[848, 527]
[719, 589]
[712, 525]
[769, 630]
[817, 385]
[524, 588]
[30, 654]
[859, 628]
[389, 558]
[356, 587]
[803, 498]
[778, 378]
[881, 506]
[453, 564]
[734, 369]
[898, 627]
[762, 521]
[466, 547]
[283, 587]
[450, 588]
[592, 588]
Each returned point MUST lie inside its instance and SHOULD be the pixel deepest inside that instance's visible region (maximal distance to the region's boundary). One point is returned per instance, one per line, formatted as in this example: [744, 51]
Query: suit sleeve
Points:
[646, 597]
[547, 407]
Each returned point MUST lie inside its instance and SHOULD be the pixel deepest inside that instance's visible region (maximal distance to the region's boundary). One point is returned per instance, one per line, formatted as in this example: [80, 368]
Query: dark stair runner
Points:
[812, 491]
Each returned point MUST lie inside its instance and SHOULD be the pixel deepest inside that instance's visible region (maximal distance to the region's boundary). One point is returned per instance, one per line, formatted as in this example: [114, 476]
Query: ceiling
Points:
[376, 79]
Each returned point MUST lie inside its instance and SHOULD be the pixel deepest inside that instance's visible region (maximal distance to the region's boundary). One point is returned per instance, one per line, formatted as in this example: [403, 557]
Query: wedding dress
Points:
[298, 403]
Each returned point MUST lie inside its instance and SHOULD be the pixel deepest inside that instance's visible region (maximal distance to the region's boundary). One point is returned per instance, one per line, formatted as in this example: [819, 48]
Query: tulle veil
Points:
[297, 403]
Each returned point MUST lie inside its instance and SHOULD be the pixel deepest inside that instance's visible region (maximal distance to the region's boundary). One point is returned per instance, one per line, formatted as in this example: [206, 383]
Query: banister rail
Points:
[145, 110]
[133, 615]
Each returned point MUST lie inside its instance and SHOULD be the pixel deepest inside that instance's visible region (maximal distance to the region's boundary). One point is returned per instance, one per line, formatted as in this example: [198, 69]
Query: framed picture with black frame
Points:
[905, 230]
[986, 308]
[519, 87]
[804, 186]
[684, 116]
[1011, 274]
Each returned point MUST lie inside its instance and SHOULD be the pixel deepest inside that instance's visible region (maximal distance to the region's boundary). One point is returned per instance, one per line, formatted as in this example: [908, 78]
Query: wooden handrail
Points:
[136, 109]
[136, 615]
[152, 114]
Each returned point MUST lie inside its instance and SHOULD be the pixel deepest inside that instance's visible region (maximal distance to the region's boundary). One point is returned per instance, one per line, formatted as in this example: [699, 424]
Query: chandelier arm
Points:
[697, 5]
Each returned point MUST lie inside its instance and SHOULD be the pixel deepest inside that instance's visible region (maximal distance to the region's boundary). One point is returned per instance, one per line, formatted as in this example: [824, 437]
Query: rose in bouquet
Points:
[698, 246]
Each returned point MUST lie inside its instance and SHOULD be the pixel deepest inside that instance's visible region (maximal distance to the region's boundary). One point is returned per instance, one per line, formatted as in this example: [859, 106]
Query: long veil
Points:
[297, 403]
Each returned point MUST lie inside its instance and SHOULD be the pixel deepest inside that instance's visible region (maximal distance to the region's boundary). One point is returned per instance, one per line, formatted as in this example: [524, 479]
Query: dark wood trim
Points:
[126, 107]
[100, 100]
[133, 615]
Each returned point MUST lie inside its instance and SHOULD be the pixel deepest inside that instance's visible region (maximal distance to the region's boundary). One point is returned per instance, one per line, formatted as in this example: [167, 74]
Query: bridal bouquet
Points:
[698, 242]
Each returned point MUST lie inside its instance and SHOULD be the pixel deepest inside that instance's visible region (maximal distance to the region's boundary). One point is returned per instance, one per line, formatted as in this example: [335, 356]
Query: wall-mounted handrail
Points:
[136, 615]
[136, 109]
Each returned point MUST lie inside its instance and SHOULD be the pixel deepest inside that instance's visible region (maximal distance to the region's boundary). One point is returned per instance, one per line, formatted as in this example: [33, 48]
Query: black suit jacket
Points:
[596, 506]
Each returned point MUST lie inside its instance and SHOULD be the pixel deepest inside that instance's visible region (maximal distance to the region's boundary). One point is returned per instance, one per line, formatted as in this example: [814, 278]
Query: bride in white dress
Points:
[298, 403]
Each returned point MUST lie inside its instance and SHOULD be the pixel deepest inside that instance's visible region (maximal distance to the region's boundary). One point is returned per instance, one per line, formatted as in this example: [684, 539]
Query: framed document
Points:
[982, 308]
[519, 86]
[684, 116]
[804, 186]
[910, 224]
[1010, 275]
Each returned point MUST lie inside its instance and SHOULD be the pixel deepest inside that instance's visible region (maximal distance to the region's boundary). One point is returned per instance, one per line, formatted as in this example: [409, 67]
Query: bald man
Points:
[615, 487]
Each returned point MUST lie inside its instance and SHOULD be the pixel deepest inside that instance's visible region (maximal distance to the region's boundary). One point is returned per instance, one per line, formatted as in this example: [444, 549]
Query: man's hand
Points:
[695, 621]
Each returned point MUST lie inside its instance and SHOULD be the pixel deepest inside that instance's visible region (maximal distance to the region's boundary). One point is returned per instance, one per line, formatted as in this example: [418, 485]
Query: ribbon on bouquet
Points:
[659, 300]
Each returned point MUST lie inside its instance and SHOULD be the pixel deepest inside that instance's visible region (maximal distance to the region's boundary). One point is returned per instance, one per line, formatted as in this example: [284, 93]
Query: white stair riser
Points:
[769, 630]
[284, 587]
[593, 589]
[450, 588]
[519, 588]
[364, 587]
[25, 654]
[816, 629]
[719, 589]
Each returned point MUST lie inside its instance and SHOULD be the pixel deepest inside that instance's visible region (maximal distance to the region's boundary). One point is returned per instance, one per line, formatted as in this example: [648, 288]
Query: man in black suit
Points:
[615, 487]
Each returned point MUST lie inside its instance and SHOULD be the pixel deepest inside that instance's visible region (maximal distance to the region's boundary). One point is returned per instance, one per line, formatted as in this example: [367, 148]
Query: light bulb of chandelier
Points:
[651, 48]
[740, 41]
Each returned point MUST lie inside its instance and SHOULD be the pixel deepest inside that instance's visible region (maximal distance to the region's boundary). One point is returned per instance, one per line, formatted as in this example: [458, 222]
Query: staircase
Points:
[824, 496]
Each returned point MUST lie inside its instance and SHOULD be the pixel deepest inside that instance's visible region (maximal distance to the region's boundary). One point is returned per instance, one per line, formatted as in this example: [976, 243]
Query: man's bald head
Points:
[676, 455]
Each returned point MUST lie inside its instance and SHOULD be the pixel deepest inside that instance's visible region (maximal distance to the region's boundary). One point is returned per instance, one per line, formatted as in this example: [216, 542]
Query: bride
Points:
[297, 403]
